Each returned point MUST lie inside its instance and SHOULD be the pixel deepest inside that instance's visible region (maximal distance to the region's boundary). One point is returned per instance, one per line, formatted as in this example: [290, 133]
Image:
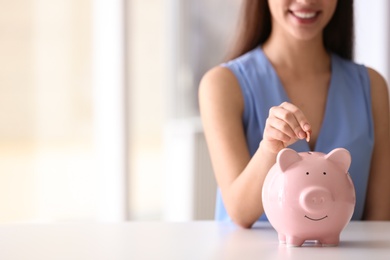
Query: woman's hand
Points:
[284, 126]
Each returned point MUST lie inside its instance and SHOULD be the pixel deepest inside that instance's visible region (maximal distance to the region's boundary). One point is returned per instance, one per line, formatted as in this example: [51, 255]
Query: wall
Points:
[46, 169]
[372, 30]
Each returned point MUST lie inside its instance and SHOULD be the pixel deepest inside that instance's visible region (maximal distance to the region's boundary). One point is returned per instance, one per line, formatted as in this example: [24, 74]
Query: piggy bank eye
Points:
[324, 173]
[307, 173]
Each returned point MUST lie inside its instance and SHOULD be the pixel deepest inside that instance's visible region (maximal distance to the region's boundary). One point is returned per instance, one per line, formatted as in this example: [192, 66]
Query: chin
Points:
[305, 36]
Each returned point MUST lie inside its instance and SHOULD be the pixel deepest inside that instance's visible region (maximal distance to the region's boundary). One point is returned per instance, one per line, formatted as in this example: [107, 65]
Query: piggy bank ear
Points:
[286, 157]
[341, 157]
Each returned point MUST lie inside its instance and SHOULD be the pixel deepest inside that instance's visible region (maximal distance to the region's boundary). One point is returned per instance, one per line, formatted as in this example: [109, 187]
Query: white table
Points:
[193, 240]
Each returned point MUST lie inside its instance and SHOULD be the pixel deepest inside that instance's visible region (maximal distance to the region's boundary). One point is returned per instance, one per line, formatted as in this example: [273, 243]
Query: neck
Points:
[297, 55]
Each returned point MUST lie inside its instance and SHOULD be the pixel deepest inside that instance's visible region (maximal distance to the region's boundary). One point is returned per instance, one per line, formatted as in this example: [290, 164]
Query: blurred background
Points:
[98, 104]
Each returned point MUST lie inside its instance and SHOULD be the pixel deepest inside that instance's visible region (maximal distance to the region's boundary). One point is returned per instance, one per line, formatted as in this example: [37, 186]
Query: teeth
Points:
[304, 15]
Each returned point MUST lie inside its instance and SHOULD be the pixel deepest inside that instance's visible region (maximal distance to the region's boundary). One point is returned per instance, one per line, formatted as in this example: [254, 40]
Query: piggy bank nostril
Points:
[316, 200]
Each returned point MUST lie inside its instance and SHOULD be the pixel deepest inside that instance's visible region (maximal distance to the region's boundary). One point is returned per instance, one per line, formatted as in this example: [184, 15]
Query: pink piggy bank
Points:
[309, 196]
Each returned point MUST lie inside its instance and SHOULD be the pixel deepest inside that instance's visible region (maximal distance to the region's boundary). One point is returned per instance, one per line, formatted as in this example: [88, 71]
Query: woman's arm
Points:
[377, 205]
[240, 177]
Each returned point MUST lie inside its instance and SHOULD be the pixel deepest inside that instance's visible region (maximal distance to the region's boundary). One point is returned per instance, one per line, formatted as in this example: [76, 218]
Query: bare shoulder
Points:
[380, 99]
[218, 77]
[220, 86]
[378, 84]
[218, 74]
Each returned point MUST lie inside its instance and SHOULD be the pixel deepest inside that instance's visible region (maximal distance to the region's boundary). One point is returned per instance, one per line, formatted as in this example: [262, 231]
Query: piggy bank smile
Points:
[316, 219]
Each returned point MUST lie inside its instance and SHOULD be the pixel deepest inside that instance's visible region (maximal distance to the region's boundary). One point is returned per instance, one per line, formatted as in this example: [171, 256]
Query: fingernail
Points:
[301, 135]
[306, 127]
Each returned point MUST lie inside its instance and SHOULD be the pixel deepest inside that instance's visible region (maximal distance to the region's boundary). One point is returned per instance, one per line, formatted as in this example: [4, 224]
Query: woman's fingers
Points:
[303, 124]
[290, 121]
[279, 130]
[284, 126]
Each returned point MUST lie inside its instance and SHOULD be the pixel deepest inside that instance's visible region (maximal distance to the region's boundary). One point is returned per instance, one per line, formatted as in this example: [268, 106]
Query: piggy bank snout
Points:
[316, 200]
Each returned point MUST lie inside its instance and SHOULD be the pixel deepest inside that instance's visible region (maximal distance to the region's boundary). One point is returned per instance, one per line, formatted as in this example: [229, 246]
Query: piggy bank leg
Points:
[294, 241]
[282, 238]
[331, 240]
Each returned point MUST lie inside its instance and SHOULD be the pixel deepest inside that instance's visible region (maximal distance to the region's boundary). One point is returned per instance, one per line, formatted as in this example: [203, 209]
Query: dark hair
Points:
[255, 28]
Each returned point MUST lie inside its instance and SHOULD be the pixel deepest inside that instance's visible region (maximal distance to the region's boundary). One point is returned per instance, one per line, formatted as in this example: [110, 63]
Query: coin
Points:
[308, 136]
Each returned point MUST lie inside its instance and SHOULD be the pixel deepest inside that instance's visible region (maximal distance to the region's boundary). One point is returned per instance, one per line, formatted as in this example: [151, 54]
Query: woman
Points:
[291, 79]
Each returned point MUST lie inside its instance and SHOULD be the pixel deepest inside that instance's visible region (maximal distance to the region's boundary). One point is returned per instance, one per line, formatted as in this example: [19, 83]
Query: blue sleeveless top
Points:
[347, 122]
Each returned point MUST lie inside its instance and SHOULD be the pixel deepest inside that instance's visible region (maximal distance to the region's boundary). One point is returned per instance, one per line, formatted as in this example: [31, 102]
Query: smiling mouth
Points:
[304, 15]
[316, 219]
